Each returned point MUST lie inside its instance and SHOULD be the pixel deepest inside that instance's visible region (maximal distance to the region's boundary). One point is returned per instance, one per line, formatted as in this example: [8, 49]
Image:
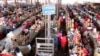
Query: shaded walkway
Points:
[41, 33]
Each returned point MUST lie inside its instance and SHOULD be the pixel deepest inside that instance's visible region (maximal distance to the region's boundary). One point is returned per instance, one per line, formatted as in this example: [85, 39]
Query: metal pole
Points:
[49, 33]
[37, 0]
[27, 2]
[31, 3]
[49, 17]
[15, 3]
[45, 26]
[5, 2]
[20, 2]
[57, 8]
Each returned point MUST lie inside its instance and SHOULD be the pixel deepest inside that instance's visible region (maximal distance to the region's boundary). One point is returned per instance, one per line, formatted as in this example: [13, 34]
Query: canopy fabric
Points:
[52, 1]
[6, 55]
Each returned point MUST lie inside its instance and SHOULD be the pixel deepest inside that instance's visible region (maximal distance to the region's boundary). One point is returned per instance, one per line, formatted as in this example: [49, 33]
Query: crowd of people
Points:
[74, 28]
[13, 19]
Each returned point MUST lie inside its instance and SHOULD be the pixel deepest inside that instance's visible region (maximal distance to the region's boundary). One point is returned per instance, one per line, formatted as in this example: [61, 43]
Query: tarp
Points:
[53, 1]
[6, 55]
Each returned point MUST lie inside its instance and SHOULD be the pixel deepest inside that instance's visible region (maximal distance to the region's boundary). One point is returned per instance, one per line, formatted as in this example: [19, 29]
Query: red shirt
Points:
[63, 41]
[75, 25]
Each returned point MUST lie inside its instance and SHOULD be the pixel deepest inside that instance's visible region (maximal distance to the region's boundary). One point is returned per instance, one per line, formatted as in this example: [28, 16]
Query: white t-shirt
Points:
[19, 54]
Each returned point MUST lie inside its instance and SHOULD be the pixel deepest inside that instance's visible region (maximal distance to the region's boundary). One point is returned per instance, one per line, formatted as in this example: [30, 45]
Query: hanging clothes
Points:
[77, 37]
[97, 16]
[85, 51]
